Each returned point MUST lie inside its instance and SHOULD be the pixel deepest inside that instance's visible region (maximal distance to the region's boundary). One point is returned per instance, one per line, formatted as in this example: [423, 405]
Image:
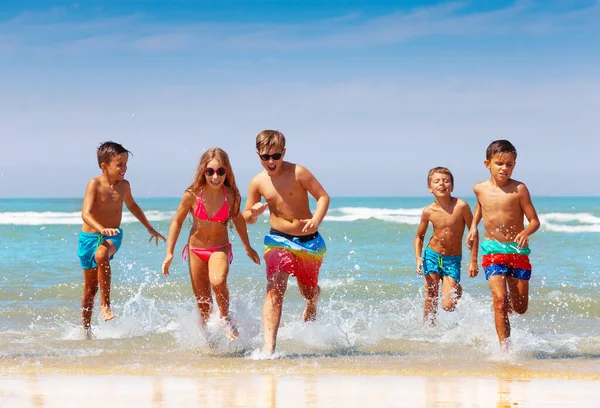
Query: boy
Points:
[293, 246]
[449, 216]
[101, 235]
[503, 203]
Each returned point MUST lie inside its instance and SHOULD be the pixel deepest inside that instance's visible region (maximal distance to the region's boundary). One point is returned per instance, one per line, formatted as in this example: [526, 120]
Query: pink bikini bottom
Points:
[205, 253]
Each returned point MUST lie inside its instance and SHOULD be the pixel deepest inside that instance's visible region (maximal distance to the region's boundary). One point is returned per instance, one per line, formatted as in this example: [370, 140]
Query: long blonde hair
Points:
[219, 155]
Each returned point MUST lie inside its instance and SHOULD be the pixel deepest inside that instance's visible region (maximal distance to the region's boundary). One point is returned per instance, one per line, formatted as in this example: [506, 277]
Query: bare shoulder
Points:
[461, 204]
[428, 210]
[480, 186]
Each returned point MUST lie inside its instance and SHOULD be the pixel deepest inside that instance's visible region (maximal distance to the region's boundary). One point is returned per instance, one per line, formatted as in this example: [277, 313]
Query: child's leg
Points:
[90, 288]
[218, 269]
[201, 286]
[311, 294]
[451, 292]
[500, 301]
[432, 287]
[276, 286]
[102, 256]
[519, 294]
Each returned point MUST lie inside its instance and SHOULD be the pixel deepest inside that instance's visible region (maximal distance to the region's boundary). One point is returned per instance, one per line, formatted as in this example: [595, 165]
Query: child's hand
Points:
[522, 239]
[257, 209]
[110, 232]
[420, 266]
[252, 254]
[310, 226]
[155, 235]
[166, 264]
[471, 236]
[473, 269]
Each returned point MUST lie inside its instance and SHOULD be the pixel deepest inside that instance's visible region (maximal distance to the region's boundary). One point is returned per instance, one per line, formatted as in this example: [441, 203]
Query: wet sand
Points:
[272, 390]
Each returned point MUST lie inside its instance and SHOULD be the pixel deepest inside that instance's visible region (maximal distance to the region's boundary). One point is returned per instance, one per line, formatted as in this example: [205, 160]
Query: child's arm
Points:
[187, 202]
[86, 210]
[240, 226]
[522, 238]
[473, 234]
[253, 207]
[137, 212]
[468, 217]
[419, 237]
[310, 183]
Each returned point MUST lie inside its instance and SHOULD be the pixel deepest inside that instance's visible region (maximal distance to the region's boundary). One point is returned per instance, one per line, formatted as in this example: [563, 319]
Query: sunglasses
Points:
[209, 171]
[267, 157]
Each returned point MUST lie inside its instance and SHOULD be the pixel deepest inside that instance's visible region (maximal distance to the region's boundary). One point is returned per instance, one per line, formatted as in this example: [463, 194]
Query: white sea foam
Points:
[570, 222]
[409, 216]
[69, 218]
[551, 222]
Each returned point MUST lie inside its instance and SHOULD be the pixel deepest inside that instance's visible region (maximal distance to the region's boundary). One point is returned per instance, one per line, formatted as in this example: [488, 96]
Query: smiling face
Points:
[272, 160]
[215, 173]
[441, 185]
[116, 168]
[501, 166]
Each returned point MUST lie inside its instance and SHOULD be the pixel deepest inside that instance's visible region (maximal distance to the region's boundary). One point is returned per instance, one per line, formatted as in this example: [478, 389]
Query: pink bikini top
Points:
[220, 216]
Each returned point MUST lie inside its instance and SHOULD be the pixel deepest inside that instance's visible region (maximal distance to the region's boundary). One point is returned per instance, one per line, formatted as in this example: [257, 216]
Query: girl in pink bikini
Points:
[214, 201]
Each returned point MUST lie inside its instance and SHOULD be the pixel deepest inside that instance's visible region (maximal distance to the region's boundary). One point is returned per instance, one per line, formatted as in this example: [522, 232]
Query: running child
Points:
[442, 259]
[213, 200]
[293, 246]
[504, 203]
[101, 234]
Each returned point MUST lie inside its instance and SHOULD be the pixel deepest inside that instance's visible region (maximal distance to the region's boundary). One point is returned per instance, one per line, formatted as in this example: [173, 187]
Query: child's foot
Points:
[310, 312]
[230, 330]
[107, 314]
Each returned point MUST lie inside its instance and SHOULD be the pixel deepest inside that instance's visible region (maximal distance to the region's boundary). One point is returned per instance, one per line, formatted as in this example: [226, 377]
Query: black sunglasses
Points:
[220, 171]
[267, 157]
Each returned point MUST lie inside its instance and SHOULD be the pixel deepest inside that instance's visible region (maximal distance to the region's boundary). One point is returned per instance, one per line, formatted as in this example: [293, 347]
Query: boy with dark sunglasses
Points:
[442, 258]
[293, 246]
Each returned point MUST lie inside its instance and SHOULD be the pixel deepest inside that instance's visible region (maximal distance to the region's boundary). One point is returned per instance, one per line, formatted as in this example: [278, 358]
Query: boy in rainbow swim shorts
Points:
[441, 261]
[503, 203]
[293, 246]
[101, 236]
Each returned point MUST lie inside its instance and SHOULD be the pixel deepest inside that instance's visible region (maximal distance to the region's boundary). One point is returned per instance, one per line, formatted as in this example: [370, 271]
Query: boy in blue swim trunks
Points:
[101, 235]
[503, 203]
[441, 261]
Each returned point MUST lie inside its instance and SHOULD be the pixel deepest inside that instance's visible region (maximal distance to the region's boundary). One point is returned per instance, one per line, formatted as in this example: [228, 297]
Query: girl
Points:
[214, 200]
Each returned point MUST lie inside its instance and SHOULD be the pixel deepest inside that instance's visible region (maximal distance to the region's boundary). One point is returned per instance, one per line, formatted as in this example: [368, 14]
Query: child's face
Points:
[215, 173]
[440, 185]
[116, 167]
[272, 160]
[501, 166]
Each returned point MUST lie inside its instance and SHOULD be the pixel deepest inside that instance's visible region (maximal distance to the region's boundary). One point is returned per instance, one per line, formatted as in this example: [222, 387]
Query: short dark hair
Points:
[500, 146]
[441, 170]
[107, 150]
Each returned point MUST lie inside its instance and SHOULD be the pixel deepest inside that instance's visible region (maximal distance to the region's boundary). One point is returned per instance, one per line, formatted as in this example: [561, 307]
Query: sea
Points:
[370, 317]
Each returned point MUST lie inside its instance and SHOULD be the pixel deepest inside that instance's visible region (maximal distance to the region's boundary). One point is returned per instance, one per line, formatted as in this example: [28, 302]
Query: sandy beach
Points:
[374, 381]
[273, 390]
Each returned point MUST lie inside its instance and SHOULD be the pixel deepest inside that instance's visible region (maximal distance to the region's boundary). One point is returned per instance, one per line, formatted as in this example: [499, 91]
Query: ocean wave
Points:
[409, 216]
[69, 218]
[570, 222]
[551, 222]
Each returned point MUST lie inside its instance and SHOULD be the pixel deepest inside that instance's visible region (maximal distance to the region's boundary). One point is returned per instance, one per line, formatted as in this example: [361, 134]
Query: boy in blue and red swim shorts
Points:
[503, 203]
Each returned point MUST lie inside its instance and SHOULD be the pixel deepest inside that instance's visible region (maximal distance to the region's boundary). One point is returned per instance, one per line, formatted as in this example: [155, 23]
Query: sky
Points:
[370, 94]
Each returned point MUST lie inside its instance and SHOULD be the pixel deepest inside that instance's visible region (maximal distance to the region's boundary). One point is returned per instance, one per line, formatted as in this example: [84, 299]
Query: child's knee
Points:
[101, 255]
[90, 291]
[500, 303]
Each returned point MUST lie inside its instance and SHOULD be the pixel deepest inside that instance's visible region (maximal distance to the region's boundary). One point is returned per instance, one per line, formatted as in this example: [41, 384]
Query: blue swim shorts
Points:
[89, 242]
[443, 265]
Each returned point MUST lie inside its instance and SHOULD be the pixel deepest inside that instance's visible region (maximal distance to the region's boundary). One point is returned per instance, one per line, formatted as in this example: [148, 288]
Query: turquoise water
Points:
[372, 298]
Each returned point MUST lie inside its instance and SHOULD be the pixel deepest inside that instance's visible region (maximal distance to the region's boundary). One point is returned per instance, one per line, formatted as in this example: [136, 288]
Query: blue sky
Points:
[369, 94]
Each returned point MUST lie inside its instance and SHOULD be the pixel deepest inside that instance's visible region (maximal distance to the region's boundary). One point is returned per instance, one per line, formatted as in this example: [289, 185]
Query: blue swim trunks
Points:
[89, 242]
[443, 265]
